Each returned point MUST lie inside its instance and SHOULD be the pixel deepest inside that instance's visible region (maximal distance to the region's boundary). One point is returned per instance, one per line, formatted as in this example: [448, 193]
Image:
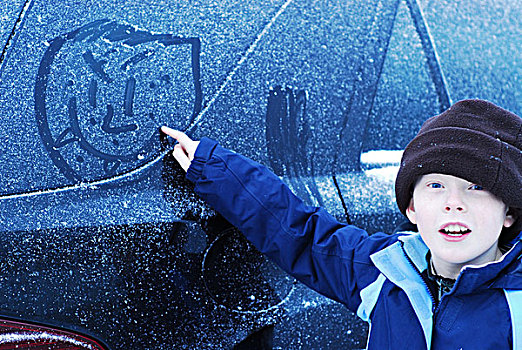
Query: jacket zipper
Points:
[434, 306]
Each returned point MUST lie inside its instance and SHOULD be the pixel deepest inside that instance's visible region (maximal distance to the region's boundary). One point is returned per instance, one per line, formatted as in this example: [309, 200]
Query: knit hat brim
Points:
[453, 152]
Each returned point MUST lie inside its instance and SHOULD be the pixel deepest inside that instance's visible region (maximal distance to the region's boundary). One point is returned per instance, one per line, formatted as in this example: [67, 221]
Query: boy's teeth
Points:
[455, 230]
[454, 234]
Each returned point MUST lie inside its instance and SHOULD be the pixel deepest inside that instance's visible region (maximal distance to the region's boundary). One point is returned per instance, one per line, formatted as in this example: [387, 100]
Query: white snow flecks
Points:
[22, 337]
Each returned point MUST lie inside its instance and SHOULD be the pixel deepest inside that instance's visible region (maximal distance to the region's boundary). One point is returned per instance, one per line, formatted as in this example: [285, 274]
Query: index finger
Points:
[181, 137]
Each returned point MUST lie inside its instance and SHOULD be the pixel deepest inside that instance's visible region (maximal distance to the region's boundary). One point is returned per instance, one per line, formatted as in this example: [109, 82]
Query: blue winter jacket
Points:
[377, 276]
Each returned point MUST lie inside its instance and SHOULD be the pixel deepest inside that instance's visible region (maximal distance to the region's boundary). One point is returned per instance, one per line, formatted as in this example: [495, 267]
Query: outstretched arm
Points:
[307, 242]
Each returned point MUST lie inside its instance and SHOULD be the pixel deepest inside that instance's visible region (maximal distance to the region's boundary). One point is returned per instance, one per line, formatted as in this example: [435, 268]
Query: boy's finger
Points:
[181, 157]
[178, 135]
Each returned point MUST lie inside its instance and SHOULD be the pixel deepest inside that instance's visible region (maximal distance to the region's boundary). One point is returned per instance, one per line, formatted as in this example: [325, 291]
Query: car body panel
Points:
[99, 231]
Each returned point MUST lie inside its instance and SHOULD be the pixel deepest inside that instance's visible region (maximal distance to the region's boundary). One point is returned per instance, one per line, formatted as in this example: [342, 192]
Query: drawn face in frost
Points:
[102, 92]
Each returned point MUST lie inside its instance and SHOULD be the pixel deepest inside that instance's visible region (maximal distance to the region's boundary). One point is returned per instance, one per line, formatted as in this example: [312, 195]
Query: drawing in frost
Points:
[102, 90]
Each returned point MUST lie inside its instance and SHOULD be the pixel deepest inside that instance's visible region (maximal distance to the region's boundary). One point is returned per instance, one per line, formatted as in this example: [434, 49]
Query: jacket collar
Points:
[505, 273]
[393, 263]
[512, 277]
[415, 248]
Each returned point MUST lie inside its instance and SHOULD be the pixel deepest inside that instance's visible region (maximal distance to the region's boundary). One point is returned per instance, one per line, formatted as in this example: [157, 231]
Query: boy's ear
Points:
[410, 212]
[510, 218]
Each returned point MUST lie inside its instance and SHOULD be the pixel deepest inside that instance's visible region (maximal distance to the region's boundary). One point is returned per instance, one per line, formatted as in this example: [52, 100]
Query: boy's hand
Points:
[185, 149]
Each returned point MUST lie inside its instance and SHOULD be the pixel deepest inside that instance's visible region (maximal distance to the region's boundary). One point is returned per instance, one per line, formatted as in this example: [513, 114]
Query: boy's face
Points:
[459, 221]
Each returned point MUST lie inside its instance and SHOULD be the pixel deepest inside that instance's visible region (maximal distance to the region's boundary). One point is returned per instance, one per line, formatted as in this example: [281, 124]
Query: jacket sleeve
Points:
[307, 242]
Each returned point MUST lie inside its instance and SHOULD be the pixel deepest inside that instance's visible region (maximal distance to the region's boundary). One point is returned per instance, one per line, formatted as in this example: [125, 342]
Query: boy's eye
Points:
[434, 185]
[476, 187]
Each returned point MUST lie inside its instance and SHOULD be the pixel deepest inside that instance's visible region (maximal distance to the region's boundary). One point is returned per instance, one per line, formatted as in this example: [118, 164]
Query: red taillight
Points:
[22, 335]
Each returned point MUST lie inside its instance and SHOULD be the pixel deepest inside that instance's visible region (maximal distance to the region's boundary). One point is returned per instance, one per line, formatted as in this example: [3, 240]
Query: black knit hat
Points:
[474, 140]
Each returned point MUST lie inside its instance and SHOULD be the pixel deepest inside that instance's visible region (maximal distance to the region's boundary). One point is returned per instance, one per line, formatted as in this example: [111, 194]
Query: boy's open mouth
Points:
[454, 230]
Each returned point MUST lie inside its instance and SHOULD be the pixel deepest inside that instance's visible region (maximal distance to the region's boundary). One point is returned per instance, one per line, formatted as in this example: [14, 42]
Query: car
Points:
[103, 242]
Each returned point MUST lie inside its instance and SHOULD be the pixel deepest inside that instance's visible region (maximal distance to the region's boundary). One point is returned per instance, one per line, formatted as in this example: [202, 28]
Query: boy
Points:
[457, 284]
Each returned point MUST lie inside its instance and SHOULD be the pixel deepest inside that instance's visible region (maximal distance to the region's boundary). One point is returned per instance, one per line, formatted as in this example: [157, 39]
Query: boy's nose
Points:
[457, 208]
[454, 203]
